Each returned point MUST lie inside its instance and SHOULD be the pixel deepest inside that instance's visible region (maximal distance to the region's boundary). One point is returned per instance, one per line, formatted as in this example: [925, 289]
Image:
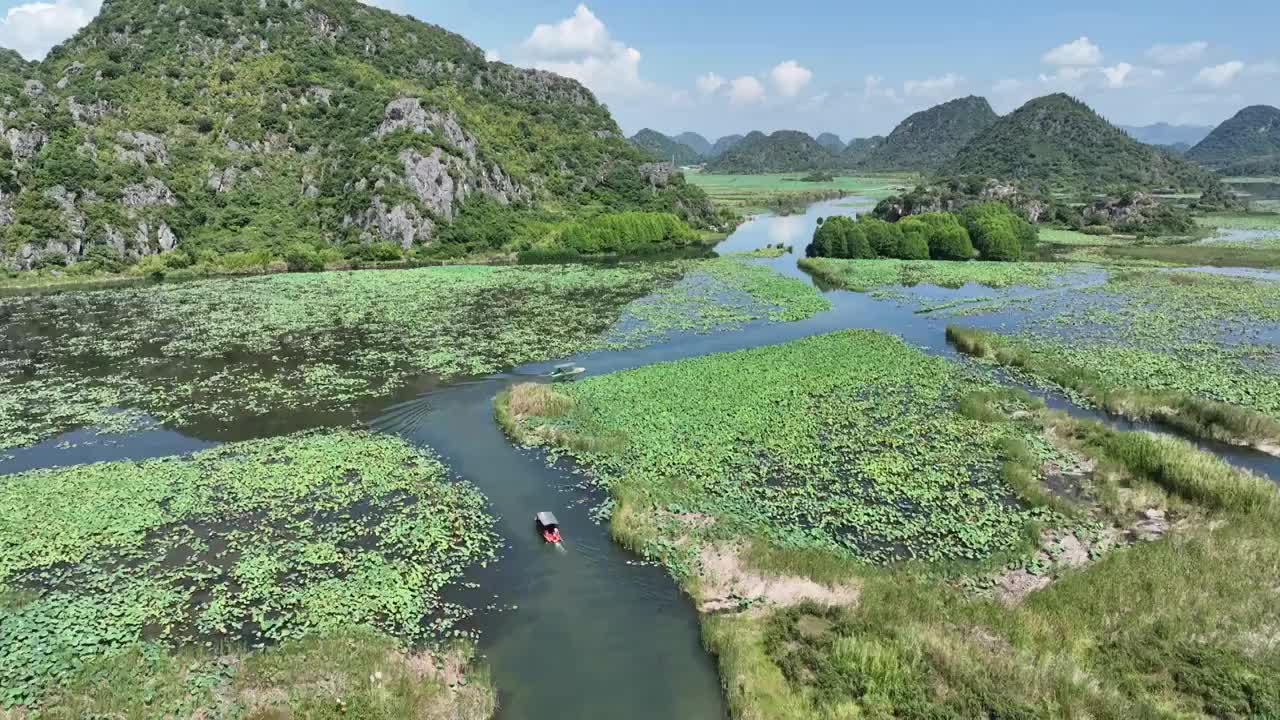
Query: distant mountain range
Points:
[1054, 140]
[724, 144]
[929, 138]
[1059, 141]
[831, 141]
[1243, 144]
[1163, 133]
[782, 151]
[694, 142]
[858, 149]
[661, 147]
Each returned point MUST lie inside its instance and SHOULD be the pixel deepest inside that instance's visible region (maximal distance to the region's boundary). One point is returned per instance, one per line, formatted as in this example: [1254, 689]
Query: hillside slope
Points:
[830, 141]
[724, 144]
[929, 138]
[664, 149]
[1253, 134]
[858, 149]
[1060, 142]
[783, 151]
[694, 142]
[225, 126]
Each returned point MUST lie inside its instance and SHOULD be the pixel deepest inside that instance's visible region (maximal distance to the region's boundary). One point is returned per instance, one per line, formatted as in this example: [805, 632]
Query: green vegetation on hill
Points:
[231, 127]
[1252, 135]
[928, 139]
[783, 151]
[628, 234]
[694, 142]
[1268, 165]
[1061, 143]
[858, 149]
[665, 149]
[724, 144]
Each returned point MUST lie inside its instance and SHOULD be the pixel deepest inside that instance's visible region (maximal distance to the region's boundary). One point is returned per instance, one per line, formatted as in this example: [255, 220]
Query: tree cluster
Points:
[990, 231]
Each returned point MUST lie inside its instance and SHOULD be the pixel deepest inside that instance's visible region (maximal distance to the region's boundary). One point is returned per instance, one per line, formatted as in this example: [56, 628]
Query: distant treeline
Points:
[990, 231]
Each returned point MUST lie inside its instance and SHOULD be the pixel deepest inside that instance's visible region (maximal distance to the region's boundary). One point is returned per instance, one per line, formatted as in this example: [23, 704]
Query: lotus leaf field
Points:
[218, 351]
[257, 541]
[1206, 335]
[848, 443]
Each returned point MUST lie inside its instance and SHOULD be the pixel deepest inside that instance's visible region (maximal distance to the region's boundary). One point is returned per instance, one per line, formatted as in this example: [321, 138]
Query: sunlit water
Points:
[589, 632]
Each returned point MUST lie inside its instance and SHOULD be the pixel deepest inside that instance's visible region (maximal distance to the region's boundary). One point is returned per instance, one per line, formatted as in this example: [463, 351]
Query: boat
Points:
[548, 527]
[567, 371]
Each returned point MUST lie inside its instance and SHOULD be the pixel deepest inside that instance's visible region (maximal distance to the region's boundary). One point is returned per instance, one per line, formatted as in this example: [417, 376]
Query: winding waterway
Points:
[587, 631]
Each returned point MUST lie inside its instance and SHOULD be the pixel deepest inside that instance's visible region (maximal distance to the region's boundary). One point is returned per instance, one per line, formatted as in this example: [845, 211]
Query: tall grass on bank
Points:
[1195, 415]
[1174, 465]
[539, 415]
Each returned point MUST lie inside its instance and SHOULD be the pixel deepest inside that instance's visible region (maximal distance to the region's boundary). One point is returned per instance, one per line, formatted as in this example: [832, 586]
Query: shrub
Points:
[628, 233]
[997, 232]
[375, 252]
[945, 237]
[885, 238]
[948, 238]
[840, 237]
[913, 247]
[1103, 230]
[303, 258]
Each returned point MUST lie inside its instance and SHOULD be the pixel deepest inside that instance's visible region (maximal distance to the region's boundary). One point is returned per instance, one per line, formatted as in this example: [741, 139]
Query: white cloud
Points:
[1067, 78]
[873, 88]
[492, 55]
[931, 87]
[32, 28]
[1220, 75]
[581, 47]
[1164, 54]
[1117, 74]
[573, 37]
[789, 77]
[746, 90]
[1077, 53]
[710, 83]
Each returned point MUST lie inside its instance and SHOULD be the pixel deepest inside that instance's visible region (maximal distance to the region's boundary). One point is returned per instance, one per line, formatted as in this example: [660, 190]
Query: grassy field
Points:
[327, 342]
[251, 542]
[864, 275]
[871, 532]
[749, 194]
[1059, 236]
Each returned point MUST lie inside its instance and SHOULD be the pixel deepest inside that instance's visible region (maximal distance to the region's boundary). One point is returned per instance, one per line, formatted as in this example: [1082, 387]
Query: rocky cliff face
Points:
[225, 125]
[954, 195]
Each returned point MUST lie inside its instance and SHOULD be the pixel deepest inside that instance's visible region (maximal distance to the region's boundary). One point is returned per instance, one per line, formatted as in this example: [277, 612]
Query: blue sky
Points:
[855, 68]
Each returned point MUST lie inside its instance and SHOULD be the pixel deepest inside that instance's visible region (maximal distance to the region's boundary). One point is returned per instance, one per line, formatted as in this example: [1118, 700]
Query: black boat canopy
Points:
[547, 520]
